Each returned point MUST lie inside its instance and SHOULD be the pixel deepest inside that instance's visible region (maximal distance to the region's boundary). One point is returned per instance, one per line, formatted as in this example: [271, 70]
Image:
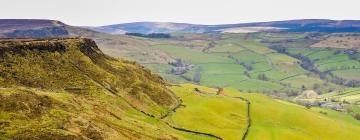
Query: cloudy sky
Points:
[104, 12]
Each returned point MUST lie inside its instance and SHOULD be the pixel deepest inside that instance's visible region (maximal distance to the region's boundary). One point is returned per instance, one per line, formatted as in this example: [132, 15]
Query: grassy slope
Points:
[218, 115]
[71, 116]
[276, 120]
[287, 123]
[325, 59]
[271, 119]
[68, 89]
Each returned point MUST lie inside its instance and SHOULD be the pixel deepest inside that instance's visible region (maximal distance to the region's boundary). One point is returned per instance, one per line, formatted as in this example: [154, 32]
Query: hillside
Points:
[340, 40]
[68, 89]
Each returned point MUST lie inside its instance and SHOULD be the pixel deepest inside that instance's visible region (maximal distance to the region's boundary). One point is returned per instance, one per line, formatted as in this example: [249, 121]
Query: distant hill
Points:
[113, 45]
[305, 25]
[32, 28]
[52, 28]
[151, 27]
[17, 24]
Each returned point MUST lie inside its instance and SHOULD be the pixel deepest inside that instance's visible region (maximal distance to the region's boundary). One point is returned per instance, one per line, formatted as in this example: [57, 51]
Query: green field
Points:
[236, 61]
[218, 115]
[271, 119]
[352, 74]
[327, 59]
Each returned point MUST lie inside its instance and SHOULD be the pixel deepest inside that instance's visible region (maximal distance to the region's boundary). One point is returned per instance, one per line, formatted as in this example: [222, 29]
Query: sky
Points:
[106, 12]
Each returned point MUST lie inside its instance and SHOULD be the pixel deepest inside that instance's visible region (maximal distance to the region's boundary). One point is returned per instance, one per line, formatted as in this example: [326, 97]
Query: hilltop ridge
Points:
[300, 25]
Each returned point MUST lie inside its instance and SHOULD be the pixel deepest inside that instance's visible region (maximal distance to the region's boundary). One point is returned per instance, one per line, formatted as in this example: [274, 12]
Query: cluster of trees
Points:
[263, 77]
[152, 35]
[352, 53]
[197, 76]
[357, 116]
[347, 35]
[345, 82]
[247, 66]
[309, 65]
[246, 73]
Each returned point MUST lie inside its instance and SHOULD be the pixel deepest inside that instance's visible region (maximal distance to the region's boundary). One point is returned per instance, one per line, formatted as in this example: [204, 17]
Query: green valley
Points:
[288, 80]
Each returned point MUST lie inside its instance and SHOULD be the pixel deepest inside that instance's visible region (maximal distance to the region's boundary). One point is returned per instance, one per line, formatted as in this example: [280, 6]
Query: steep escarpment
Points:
[68, 89]
[77, 64]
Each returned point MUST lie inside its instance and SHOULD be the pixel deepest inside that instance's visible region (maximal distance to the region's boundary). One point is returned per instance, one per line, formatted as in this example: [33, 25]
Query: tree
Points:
[357, 116]
[152, 35]
[246, 73]
[291, 93]
[197, 77]
[263, 77]
[247, 66]
[303, 88]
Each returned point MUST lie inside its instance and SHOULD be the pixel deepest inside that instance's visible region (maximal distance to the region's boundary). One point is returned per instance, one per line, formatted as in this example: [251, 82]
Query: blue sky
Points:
[104, 12]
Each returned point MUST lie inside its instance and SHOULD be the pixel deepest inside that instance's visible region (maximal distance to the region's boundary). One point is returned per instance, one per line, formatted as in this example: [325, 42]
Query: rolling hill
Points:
[304, 25]
[20, 28]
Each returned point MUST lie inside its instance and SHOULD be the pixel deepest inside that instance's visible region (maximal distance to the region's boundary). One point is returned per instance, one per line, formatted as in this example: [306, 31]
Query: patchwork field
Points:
[242, 61]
